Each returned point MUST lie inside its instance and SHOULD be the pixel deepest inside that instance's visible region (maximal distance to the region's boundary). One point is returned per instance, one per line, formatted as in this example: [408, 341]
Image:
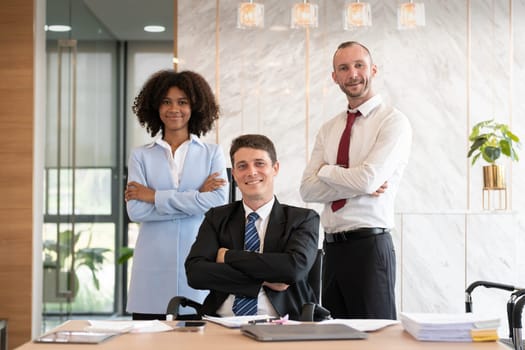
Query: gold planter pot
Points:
[494, 181]
[493, 177]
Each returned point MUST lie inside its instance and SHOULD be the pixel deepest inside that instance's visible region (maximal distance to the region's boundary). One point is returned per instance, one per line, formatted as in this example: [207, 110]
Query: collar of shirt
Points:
[367, 107]
[263, 211]
[176, 160]
[159, 141]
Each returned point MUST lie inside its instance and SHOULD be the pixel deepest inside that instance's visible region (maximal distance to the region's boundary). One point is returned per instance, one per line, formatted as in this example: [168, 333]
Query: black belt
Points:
[359, 233]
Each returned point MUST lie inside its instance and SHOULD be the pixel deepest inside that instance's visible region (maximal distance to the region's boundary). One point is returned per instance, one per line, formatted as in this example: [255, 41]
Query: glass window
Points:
[92, 191]
[78, 269]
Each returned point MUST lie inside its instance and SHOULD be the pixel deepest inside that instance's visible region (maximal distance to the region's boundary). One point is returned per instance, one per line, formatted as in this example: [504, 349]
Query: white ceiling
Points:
[122, 20]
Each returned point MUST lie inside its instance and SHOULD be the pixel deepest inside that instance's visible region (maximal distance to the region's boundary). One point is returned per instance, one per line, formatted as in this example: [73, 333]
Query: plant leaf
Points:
[492, 139]
[126, 253]
[478, 142]
[505, 148]
[491, 154]
[513, 137]
[475, 158]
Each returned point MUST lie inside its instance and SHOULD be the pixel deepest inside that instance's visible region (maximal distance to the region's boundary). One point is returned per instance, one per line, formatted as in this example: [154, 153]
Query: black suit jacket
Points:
[290, 248]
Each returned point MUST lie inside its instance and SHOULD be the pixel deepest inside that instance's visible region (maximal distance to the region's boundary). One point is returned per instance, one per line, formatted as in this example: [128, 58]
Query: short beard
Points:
[363, 92]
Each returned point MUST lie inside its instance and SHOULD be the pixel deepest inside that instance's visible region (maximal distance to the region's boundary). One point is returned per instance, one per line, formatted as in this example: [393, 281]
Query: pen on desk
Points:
[274, 320]
[264, 320]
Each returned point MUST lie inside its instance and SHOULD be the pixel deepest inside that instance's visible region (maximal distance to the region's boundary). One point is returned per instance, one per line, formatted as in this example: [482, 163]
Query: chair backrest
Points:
[177, 302]
[314, 311]
[315, 275]
[233, 186]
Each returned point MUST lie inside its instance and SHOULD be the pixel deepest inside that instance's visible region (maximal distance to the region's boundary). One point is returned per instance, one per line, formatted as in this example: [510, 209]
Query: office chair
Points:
[516, 342]
[310, 311]
[233, 186]
[314, 311]
[486, 284]
[515, 339]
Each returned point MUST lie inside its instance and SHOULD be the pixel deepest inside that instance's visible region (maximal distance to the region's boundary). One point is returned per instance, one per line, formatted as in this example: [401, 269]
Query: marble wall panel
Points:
[425, 68]
[196, 40]
[433, 256]
[492, 255]
[517, 171]
[490, 67]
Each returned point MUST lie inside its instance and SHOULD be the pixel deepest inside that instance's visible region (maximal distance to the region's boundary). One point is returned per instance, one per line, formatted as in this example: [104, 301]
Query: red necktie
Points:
[342, 152]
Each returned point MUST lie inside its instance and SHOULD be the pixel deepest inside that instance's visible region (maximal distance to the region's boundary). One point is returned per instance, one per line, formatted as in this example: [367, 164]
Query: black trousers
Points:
[359, 278]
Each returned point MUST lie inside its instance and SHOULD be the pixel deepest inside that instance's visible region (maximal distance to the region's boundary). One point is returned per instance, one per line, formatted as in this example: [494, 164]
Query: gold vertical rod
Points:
[511, 90]
[307, 92]
[242, 89]
[175, 35]
[401, 262]
[217, 64]
[469, 57]
[465, 237]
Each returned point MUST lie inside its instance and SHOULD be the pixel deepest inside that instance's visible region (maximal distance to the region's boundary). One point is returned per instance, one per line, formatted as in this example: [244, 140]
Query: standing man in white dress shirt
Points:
[358, 194]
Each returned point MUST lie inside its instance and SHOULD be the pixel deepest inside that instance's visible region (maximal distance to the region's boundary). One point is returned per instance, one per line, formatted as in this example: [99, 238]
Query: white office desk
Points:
[215, 337]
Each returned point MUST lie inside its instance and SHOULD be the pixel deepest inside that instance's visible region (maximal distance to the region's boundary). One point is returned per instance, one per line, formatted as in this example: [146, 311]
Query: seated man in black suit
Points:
[272, 279]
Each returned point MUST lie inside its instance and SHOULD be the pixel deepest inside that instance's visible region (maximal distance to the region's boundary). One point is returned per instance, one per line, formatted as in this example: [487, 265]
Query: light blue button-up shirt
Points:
[169, 226]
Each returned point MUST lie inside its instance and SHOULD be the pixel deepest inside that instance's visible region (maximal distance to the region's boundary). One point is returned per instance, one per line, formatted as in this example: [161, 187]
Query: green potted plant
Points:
[126, 253]
[58, 260]
[490, 140]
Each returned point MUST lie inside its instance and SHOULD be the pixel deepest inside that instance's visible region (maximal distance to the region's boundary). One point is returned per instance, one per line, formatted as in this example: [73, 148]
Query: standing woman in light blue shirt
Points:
[172, 182]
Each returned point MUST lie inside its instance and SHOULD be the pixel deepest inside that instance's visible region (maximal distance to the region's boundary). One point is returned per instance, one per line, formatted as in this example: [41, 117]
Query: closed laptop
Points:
[305, 331]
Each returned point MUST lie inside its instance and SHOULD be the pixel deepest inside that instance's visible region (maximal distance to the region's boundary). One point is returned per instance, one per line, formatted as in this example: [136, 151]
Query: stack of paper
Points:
[463, 327]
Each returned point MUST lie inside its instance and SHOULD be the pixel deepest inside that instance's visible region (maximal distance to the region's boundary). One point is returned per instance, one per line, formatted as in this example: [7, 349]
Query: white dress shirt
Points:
[264, 306]
[380, 144]
[175, 159]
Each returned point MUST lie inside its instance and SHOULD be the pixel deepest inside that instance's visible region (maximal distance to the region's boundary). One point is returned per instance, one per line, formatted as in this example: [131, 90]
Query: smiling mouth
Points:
[355, 83]
[252, 182]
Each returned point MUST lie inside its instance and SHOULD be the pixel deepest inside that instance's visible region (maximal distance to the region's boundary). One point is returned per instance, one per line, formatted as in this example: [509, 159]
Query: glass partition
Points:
[94, 68]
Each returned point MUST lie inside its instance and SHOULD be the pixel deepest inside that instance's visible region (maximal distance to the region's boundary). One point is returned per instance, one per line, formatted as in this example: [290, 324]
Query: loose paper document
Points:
[238, 321]
[128, 326]
[74, 337]
[464, 327]
[363, 325]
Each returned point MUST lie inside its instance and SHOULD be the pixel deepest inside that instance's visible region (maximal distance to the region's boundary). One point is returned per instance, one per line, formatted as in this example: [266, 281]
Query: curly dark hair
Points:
[204, 108]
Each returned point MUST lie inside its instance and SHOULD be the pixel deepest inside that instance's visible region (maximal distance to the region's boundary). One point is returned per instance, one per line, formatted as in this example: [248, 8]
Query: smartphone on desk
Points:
[190, 326]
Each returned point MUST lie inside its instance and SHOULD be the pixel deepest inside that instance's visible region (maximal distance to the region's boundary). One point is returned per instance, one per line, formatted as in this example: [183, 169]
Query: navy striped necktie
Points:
[247, 305]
